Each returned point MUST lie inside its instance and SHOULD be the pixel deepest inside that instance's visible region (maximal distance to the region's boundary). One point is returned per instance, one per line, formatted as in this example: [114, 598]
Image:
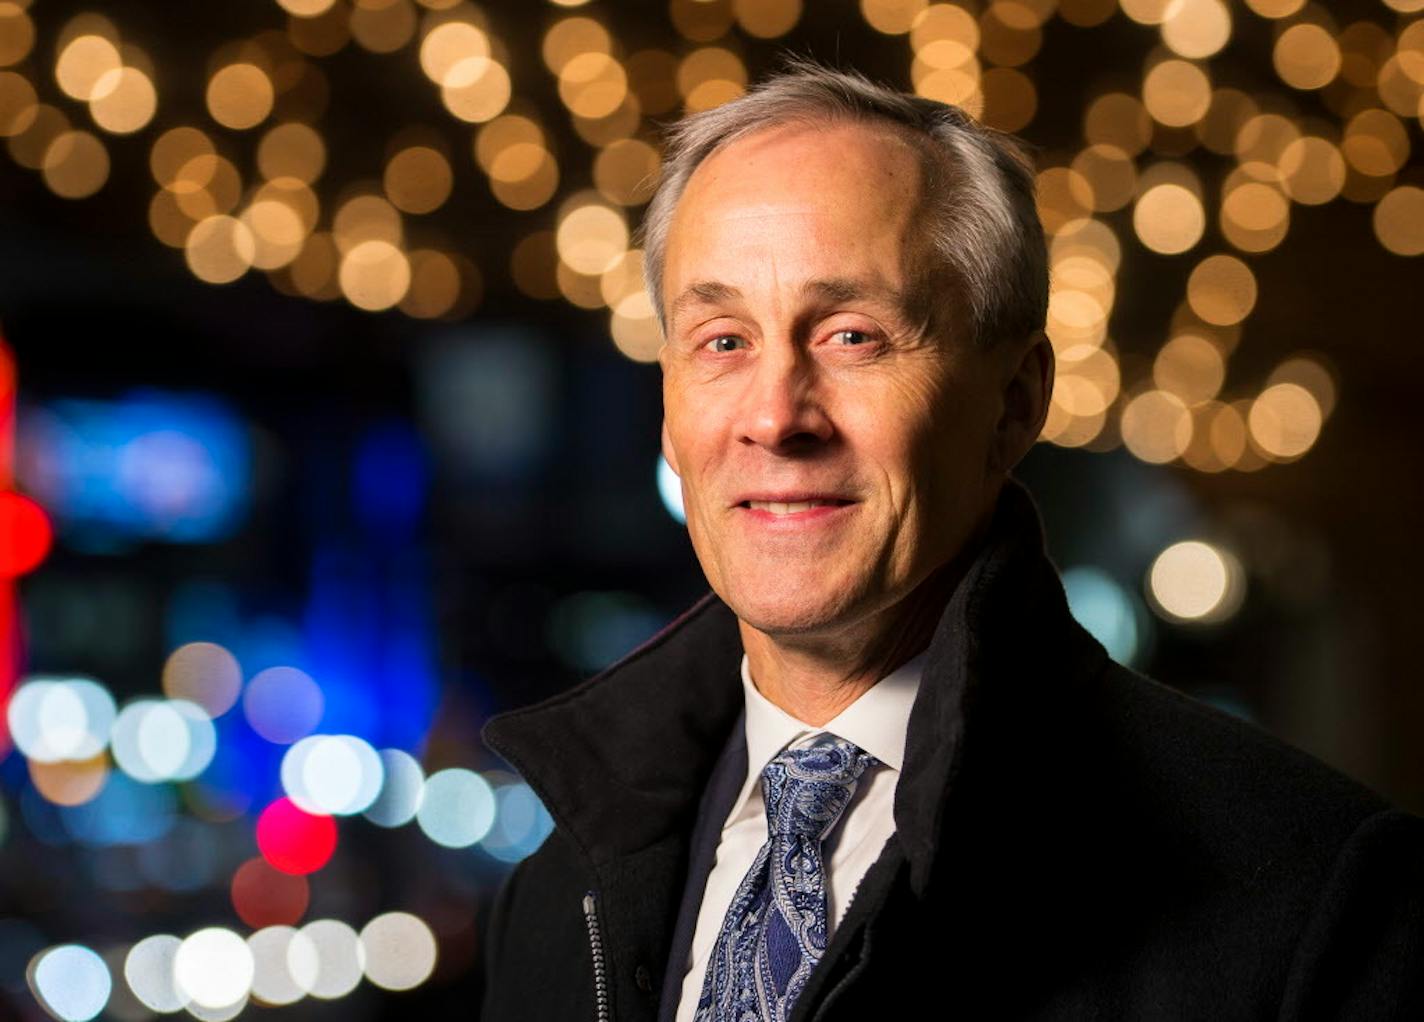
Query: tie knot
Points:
[807, 789]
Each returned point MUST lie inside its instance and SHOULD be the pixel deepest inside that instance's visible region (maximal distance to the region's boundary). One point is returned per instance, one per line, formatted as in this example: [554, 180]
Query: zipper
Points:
[595, 943]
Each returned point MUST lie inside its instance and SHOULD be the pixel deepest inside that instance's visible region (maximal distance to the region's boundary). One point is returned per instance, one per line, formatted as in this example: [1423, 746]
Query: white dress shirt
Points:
[876, 722]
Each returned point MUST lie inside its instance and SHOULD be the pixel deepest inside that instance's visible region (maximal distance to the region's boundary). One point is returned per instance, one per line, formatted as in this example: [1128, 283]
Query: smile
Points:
[777, 507]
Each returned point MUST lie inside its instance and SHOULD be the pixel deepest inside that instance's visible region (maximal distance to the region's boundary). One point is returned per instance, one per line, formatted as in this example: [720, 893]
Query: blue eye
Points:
[852, 336]
[726, 342]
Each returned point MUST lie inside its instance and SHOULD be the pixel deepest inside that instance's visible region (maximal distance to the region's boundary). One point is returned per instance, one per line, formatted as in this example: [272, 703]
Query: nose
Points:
[783, 409]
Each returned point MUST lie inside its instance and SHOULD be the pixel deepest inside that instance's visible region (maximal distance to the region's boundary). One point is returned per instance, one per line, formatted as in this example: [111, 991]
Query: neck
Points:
[815, 677]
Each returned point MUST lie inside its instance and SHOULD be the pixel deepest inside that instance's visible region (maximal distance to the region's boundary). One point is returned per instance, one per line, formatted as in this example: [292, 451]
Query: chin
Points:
[779, 608]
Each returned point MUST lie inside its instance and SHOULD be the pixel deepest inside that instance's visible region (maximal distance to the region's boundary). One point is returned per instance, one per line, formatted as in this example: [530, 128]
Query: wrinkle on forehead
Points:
[861, 176]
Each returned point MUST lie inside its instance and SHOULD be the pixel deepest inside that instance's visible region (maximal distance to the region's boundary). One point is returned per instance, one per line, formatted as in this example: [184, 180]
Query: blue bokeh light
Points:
[150, 465]
[670, 490]
[1107, 610]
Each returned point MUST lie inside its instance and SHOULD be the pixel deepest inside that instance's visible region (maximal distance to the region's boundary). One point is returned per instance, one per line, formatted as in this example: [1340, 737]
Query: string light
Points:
[353, 245]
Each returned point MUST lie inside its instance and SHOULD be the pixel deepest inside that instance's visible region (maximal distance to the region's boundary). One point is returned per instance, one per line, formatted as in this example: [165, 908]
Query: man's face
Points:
[832, 450]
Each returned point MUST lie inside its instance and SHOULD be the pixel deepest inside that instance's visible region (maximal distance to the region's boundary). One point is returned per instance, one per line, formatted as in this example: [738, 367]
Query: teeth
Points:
[782, 508]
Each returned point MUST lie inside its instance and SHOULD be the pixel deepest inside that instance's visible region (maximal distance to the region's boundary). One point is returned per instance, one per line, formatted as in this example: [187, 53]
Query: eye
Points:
[726, 342]
[850, 337]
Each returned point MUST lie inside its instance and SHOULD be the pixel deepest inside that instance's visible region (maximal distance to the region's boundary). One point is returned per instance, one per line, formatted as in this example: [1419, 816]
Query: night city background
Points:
[329, 428]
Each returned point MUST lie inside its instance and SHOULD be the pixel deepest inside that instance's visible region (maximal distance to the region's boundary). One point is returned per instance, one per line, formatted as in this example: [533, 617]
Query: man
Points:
[880, 770]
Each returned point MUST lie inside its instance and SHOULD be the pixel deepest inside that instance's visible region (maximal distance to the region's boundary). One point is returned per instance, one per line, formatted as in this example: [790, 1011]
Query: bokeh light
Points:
[521, 823]
[1307, 56]
[240, 96]
[1309, 372]
[283, 704]
[1190, 368]
[1196, 29]
[124, 100]
[1197, 582]
[1285, 421]
[402, 789]
[149, 971]
[670, 491]
[374, 275]
[83, 62]
[70, 782]
[75, 164]
[294, 841]
[399, 951]
[1156, 426]
[263, 895]
[1176, 93]
[591, 237]
[458, 808]
[213, 968]
[54, 720]
[1222, 290]
[1399, 220]
[284, 965]
[418, 179]
[291, 149]
[163, 740]
[892, 17]
[340, 958]
[335, 775]
[71, 982]
[1105, 609]
[220, 249]
[1169, 218]
[17, 33]
[766, 19]
[203, 673]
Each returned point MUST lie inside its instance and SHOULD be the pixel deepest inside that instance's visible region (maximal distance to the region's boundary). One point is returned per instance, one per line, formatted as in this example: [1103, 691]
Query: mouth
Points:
[798, 505]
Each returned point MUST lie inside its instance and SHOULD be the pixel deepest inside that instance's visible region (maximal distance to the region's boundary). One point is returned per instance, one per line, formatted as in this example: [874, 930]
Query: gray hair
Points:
[981, 219]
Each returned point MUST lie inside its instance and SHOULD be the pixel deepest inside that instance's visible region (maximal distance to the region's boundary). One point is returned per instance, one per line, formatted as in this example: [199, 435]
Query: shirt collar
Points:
[876, 722]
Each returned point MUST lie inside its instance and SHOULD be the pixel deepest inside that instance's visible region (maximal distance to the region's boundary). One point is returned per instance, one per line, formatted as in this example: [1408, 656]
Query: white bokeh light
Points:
[401, 791]
[163, 740]
[214, 968]
[400, 951]
[340, 958]
[334, 775]
[57, 719]
[521, 823]
[71, 981]
[149, 971]
[274, 948]
[202, 739]
[223, 1014]
[458, 808]
[1196, 582]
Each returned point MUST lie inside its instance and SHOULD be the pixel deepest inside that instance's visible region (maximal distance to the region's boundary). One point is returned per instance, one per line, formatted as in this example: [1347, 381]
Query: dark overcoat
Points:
[1073, 840]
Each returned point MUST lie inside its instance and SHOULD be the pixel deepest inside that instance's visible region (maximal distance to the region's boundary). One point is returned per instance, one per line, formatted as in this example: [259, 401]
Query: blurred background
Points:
[328, 427]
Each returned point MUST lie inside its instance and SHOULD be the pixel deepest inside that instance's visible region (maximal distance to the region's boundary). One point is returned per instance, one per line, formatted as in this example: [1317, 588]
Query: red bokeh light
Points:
[265, 896]
[25, 534]
[294, 841]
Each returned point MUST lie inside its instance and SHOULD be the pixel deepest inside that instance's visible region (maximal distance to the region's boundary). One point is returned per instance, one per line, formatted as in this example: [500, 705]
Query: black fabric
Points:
[722, 789]
[1072, 840]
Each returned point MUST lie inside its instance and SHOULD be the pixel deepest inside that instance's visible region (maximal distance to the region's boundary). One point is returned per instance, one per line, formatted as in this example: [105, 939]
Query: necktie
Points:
[775, 929]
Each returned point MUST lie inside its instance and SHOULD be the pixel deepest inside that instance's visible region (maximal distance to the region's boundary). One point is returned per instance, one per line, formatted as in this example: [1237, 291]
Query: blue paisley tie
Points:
[775, 929]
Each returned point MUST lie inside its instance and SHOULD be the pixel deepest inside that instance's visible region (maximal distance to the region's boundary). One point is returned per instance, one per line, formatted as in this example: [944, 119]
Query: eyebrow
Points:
[827, 289]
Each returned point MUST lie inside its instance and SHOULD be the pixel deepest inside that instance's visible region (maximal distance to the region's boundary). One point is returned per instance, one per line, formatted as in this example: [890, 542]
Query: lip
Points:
[789, 497]
[806, 517]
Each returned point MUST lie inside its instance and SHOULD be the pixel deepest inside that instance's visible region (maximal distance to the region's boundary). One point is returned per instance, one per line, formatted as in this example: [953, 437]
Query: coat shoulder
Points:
[1253, 802]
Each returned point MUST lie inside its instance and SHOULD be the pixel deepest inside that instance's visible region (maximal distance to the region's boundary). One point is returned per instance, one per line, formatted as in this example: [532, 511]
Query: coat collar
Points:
[621, 760]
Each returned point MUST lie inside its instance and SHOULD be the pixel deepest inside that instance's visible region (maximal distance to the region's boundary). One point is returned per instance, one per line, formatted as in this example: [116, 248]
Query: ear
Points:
[668, 455]
[1026, 395]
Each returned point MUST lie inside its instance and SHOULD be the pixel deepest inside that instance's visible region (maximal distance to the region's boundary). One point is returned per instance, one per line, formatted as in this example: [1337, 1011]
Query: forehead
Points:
[804, 197]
